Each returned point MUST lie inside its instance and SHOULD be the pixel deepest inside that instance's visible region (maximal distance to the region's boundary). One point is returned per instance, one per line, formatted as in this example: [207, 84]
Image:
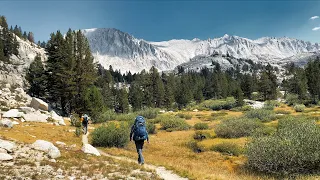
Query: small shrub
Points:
[111, 135]
[280, 111]
[174, 124]
[78, 131]
[201, 126]
[292, 99]
[216, 105]
[219, 114]
[194, 146]
[201, 135]
[126, 117]
[148, 113]
[105, 116]
[270, 105]
[299, 107]
[242, 108]
[151, 128]
[75, 120]
[292, 149]
[227, 148]
[186, 116]
[233, 128]
[261, 114]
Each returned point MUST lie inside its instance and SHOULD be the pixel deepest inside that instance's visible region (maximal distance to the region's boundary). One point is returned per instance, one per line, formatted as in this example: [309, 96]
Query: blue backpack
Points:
[140, 131]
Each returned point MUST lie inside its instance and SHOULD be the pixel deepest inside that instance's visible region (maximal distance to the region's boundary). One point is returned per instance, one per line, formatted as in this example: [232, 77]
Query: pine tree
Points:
[17, 31]
[169, 90]
[136, 96]
[238, 94]
[93, 102]
[31, 37]
[36, 79]
[247, 85]
[25, 36]
[123, 101]
[313, 75]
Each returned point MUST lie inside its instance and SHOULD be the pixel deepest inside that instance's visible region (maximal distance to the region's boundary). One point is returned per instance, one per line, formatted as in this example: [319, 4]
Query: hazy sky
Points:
[164, 20]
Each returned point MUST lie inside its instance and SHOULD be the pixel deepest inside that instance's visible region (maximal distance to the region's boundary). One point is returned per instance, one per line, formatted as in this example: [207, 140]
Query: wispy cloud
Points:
[316, 29]
[314, 17]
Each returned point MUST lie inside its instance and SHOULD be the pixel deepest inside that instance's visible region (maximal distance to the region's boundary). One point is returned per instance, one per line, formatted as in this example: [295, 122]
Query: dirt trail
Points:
[161, 171]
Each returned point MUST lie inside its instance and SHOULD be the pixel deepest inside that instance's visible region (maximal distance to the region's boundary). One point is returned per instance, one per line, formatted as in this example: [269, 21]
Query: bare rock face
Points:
[39, 104]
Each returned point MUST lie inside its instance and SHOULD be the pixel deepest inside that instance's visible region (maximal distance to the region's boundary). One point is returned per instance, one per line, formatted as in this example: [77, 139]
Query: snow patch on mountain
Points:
[125, 52]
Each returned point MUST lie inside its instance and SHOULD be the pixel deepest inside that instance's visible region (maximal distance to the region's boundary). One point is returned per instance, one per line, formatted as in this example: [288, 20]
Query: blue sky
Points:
[163, 20]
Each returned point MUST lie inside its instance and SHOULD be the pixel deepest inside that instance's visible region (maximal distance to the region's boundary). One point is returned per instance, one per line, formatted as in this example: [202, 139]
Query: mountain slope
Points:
[14, 72]
[124, 52]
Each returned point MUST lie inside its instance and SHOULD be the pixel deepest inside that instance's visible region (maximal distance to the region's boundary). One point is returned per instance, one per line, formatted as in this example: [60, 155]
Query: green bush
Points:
[282, 112]
[215, 105]
[149, 113]
[261, 114]
[218, 114]
[105, 116]
[151, 128]
[271, 104]
[194, 146]
[292, 99]
[126, 117]
[186, 116]
[78, 131]
[75, 120]
[299, 107]
[174, 124]
[111, 135]
[201, 135]
[242, 108]
[201, 126]
[227, 148]
[292, 149]
[240, 127]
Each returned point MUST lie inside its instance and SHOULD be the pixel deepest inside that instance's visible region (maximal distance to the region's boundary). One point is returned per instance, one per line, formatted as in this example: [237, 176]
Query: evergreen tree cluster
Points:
[8, 42]
[304, 82]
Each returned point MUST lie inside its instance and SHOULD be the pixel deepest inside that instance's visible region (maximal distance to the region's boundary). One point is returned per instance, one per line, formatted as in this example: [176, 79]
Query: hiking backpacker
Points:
[140, 131]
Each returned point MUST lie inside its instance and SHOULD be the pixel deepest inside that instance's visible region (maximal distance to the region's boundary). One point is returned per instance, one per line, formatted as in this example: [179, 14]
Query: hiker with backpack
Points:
[85, 121]
[139, 134]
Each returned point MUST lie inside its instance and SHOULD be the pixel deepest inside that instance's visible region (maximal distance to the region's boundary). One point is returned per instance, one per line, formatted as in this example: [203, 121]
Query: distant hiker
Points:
[139, 134]
[85, 120]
